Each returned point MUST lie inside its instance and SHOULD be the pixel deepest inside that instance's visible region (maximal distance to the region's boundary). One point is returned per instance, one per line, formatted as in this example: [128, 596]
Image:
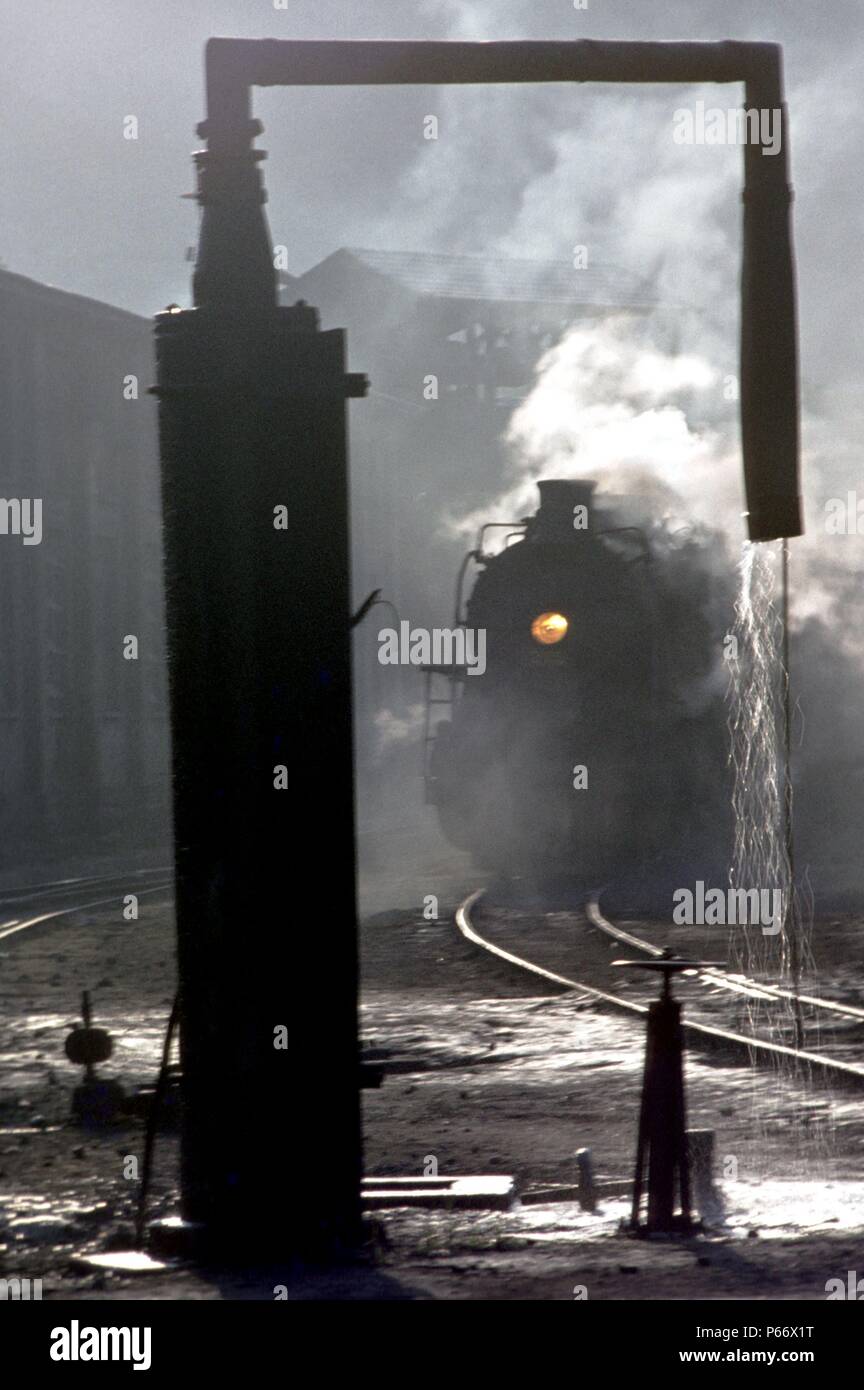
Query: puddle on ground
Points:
[766, 1210]
[31, 1050]
[31, 1218]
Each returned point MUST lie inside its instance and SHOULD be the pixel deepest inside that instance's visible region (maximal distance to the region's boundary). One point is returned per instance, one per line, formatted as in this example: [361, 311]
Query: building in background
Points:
[450, 344]
[83, 729]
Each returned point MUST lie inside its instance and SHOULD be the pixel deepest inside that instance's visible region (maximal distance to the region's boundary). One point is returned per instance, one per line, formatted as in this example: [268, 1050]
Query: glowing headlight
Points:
[549, 628]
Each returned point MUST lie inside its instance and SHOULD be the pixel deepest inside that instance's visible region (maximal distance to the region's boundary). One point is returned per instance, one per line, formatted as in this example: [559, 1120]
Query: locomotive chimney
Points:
[559, 497]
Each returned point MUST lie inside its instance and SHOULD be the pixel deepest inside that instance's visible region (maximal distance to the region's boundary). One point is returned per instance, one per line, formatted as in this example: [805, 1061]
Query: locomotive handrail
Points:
[458, 617]
[491, 525]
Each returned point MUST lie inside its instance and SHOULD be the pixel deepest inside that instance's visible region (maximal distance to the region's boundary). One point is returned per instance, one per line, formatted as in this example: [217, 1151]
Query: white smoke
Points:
[609, 404]
[394, 729]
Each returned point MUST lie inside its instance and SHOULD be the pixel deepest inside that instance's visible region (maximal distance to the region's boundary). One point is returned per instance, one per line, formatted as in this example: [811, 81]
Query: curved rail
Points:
[17, 925]
[53, 887]
[463, 922]
[738, 984]
[702, 1035]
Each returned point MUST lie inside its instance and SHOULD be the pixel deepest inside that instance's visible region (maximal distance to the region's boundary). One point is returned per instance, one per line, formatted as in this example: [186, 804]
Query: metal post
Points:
[254, 478]
[769, 350]
[700, 1153]
[791, 921]
[661, 1146]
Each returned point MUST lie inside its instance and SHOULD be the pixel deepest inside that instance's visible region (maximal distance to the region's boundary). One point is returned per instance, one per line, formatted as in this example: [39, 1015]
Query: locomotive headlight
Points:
[549, 628]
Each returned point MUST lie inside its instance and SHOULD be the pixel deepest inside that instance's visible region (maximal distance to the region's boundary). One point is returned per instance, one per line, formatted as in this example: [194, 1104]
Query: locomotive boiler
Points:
[579, 751]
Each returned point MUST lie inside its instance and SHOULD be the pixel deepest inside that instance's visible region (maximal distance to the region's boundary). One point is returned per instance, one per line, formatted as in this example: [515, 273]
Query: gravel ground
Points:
[486, 1074]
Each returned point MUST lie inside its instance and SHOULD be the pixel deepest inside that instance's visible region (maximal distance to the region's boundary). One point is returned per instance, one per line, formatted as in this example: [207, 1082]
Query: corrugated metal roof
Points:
[509, 278]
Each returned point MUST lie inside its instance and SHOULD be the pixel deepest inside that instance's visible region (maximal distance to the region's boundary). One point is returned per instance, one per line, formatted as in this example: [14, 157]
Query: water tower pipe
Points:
[235, 261]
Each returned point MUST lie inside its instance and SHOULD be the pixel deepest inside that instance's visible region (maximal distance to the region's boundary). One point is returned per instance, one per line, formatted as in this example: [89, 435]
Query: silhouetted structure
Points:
[662, 1156]
[84, 732]
[254, 460]
[258, 631]
[83, 724]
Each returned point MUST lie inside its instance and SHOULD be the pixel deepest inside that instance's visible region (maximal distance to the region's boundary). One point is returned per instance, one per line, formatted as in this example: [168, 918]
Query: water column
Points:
[254, 476]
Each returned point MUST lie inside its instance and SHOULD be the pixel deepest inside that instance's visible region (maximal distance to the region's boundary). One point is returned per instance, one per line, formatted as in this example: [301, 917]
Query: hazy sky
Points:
[527, 171]
[515, 170]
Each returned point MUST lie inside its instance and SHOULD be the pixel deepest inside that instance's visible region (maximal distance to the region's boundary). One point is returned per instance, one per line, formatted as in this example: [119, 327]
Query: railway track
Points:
[699, 1034]
[61, 890]
[722, 979]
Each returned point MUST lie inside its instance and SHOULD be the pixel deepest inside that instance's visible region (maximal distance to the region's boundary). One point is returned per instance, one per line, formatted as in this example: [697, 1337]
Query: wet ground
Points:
[486, 1074]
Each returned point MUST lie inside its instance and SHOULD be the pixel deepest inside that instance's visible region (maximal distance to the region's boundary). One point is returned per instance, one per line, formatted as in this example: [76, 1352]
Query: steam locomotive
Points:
[592, 744]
